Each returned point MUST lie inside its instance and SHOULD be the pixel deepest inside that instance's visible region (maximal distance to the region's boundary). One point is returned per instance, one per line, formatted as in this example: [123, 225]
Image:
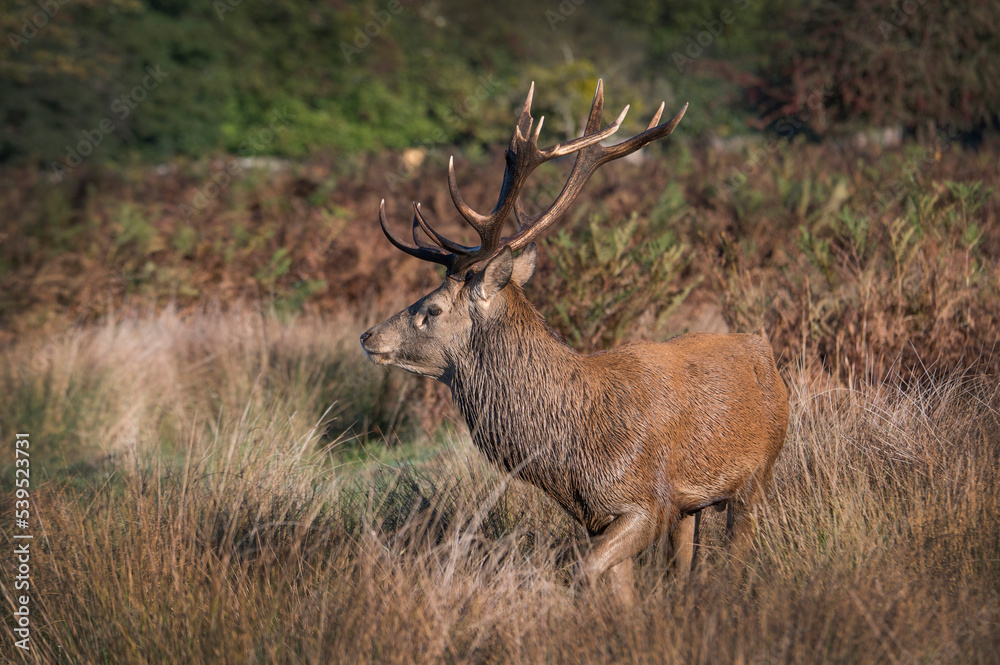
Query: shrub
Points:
[923, 65]
[608, 279]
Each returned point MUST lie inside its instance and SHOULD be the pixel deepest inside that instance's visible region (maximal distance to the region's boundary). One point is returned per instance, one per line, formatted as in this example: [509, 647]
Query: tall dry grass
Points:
[193, 505]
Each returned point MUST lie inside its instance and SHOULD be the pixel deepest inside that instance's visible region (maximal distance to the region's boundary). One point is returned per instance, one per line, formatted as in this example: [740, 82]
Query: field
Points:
[219, 476]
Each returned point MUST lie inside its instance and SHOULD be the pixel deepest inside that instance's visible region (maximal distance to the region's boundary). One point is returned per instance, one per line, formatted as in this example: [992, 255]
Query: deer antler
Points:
[522, 157]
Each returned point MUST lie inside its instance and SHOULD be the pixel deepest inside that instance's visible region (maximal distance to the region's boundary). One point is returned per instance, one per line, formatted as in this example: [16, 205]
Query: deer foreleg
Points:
[684, 539]
[621, 581]
[625, 537]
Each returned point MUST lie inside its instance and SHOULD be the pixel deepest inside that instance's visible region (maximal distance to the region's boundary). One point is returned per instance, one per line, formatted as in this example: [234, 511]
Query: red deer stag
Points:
[629, 441]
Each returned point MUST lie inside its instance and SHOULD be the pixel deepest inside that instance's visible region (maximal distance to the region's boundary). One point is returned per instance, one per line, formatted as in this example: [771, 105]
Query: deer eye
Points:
[433, 310]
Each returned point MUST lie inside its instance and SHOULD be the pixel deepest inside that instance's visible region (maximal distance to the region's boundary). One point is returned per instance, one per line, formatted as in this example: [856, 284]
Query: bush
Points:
[607, 281]
[923, 65]
[903, 285]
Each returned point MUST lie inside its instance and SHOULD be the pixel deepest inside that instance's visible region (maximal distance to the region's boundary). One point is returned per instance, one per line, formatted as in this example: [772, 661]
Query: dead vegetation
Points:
[850, 259]
[190, 509]
[213, 482]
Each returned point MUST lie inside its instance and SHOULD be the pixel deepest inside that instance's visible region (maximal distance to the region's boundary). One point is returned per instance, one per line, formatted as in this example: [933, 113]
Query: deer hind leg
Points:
[740, 526]
[741, 521]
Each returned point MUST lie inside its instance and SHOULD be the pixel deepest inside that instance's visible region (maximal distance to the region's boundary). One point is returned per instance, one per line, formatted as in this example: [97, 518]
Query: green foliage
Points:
[608, 278]
[297, 296]
[670, 209]
[912, 285]
[854, 231]
[79, 89]
[134, 232]
[817, 251]
[225, 70]
[970, 197]
[277, 267]
[185, 240]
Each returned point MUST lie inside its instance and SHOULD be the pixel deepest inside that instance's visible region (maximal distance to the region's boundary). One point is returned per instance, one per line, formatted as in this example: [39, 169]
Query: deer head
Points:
[428, 337]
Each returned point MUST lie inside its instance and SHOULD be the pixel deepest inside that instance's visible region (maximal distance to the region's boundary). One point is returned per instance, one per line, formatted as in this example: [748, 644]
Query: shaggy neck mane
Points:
[512, 348]
[514, 385]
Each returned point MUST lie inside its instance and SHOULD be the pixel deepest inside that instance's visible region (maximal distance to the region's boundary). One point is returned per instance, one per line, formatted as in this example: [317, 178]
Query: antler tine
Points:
[444, 243]
[523, 127]
[417, 240]
[426, 253]
[415, 231]
[522, 157]
[596, 109]
[656, 116]
[538, 131]
[471, 216]
[586, 140]
[519, 214]
[645, 138]
[588, 160]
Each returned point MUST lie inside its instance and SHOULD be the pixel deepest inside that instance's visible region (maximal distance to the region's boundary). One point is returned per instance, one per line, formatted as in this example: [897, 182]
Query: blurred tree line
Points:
[148, 79]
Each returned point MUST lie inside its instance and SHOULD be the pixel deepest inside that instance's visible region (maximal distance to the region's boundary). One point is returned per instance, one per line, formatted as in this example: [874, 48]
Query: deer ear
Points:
[524, 265]
[494, 276]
